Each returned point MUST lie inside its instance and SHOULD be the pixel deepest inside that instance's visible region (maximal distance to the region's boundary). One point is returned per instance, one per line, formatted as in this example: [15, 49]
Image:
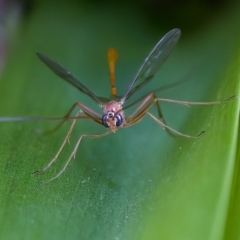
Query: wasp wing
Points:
[153, 62]
[67, 76]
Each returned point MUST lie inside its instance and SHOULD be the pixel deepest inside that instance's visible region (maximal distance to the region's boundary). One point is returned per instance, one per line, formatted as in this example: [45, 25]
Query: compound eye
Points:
[119, 119]
[104, 121]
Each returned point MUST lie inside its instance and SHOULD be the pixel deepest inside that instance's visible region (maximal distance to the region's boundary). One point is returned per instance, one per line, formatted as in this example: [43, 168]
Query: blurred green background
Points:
[140, 183]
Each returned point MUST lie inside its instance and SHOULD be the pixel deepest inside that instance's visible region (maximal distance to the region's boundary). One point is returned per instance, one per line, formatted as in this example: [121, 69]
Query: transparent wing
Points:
[153, 62]
[67, 76]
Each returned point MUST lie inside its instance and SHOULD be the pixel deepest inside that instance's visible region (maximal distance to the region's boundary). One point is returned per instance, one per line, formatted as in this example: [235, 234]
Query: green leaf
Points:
[140, 183]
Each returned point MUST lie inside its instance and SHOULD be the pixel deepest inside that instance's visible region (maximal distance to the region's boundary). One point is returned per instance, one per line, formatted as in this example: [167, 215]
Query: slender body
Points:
[113, 116]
